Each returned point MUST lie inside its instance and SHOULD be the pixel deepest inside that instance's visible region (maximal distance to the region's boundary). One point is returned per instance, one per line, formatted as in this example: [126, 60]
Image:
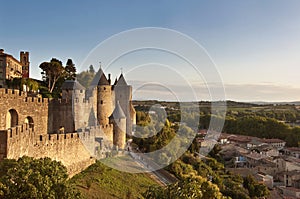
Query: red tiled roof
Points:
[244, 138]
[292, 189]
[202, 132]
[272, 140]
[293, 149]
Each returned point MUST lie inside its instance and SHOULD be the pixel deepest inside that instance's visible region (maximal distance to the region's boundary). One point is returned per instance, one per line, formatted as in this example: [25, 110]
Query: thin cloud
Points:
[203, 91]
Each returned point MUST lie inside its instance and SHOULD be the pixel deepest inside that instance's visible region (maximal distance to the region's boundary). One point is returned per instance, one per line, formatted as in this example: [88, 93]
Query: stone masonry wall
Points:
[67, 148]
[36, 108]
[123, 94]
[104, 104]
[61, 114]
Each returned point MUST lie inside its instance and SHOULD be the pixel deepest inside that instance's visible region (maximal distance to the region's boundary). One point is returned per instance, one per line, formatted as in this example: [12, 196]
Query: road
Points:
[149, 165]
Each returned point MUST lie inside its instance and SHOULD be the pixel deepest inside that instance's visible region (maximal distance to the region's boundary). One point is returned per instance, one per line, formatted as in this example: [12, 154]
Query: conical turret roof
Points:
[99, 79]
[118, 113]
[103, 80]
[121, 81]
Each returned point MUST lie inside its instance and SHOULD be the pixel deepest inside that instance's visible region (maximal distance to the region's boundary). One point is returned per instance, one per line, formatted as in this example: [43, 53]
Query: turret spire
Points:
[102, 80]
[121, 81]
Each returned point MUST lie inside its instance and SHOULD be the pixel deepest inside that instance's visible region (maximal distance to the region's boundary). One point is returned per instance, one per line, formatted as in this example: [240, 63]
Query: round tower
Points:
[104, 99]
[118, 120]
[123, 94]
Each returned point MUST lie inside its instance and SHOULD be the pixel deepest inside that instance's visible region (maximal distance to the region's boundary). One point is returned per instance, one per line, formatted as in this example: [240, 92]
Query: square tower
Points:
[24, 60]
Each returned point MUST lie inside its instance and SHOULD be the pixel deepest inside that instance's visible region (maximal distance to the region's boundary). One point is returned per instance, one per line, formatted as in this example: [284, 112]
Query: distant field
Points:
[289, 110]
[100, 181]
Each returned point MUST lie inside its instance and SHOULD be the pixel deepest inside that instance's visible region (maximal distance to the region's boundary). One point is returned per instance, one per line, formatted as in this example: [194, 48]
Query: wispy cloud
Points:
[262, 92]
[212, 91]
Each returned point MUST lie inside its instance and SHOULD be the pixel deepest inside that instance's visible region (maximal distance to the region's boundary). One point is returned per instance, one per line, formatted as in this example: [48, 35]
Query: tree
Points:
[70, 70]
[255, 189]
[91, 69]
[52, 72]
[189, 187]
[31, 84]
[34, 178]
[85, 78]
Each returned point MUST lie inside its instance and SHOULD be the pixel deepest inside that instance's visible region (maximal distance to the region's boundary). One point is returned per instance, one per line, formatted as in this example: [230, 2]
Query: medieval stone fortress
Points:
[82, 125]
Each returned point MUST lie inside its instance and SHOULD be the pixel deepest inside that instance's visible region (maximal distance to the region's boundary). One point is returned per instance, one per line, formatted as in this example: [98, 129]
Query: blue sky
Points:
[254, 43]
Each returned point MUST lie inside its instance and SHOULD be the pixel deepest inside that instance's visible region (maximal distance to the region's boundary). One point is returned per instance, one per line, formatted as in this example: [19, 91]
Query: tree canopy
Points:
[70, 70]
[54, 72]
[34, 178]
[189, 187]
[85, 77]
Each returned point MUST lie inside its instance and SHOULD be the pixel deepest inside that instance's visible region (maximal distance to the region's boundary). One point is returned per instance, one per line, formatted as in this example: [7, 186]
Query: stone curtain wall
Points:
[61, 114]
[36, 108]
[67, 148]
[40, 137]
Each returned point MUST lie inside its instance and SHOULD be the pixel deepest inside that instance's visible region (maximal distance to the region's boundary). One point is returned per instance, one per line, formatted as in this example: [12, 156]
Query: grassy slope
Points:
[100, 181]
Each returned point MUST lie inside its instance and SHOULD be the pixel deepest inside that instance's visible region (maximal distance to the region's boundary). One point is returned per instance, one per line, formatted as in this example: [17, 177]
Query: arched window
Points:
[29, 121]
[11, 118]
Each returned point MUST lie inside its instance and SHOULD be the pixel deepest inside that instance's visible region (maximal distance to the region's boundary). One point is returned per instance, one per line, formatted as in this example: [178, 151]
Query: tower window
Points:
[101, 102]
[104, 88]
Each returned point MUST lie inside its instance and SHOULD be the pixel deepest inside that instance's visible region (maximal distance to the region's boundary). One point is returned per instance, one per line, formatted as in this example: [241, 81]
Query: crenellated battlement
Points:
[60, 101]
[17, 94]
[79, 109]
[37, 100]
[82, 101]
[67, 148]
[24, 131]
[44, 139]
[16, 131]
[4, 92]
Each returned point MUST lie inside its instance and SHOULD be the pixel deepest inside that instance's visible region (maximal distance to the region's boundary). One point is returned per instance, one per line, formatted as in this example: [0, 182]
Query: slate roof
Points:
[103, 80]
[121, 81]
[118, 113]
[72, 85]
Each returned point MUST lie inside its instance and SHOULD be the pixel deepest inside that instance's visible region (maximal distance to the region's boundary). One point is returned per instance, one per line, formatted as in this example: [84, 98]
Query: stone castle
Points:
[83, 125]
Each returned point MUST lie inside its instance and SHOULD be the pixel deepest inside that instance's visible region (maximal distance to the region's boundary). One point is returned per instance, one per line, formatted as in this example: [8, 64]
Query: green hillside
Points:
[100, 181]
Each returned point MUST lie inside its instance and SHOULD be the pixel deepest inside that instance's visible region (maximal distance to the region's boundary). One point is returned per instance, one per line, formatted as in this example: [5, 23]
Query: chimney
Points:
[1, 51]
[109, 80]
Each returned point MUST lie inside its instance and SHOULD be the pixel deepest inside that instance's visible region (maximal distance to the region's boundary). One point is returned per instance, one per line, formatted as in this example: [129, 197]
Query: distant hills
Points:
[229, 102]
[297, 103]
